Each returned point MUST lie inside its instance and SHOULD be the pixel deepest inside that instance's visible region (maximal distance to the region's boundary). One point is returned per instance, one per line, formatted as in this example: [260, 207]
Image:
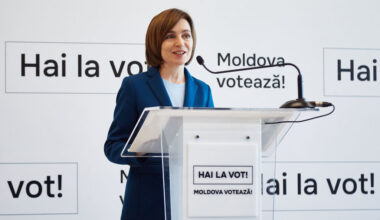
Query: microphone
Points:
[200, 60]
[300, 102]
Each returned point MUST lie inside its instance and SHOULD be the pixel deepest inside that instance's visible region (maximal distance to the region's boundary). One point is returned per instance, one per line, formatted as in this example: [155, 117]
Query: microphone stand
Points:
[300, 102]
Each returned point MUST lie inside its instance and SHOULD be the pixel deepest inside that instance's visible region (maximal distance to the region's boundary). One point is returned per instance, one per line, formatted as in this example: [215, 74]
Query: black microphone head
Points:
[200, 60]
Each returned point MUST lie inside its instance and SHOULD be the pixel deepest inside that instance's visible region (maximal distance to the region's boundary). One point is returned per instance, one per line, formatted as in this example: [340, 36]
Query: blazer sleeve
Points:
[124, 120]
[210, 101]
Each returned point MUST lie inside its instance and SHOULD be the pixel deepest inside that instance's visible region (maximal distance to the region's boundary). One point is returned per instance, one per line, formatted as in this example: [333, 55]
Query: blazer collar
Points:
[190, 90]
[158, 88]
[157, 85]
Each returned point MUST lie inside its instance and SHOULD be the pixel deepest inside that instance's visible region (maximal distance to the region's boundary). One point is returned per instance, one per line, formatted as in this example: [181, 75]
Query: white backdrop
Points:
[53, 124]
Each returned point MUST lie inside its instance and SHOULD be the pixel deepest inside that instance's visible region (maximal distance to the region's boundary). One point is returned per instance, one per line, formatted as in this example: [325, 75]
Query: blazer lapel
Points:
[158, 88]
[190, 90]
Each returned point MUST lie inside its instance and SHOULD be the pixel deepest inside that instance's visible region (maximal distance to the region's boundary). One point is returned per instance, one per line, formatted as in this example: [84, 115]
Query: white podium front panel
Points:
[222, 175]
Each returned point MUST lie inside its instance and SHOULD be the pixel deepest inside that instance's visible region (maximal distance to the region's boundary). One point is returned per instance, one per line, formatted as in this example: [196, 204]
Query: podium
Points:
[211, 157]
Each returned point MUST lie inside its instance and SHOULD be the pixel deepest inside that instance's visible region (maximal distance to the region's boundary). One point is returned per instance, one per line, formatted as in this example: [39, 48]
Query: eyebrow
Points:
[186, 30]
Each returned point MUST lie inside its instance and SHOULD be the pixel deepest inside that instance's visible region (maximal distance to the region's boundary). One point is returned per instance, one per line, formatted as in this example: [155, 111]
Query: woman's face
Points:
[178, 44]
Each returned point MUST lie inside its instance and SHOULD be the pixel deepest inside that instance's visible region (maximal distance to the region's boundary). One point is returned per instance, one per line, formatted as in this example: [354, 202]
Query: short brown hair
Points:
[159, 26]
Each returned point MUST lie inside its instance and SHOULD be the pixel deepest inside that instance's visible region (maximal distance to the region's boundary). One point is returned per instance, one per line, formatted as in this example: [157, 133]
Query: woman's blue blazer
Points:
[143, 199]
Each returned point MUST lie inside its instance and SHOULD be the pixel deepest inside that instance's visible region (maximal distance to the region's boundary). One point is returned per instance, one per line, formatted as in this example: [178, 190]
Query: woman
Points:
[170, 43]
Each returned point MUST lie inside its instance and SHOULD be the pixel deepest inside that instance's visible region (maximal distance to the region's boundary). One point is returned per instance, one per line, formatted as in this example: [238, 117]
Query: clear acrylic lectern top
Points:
[147, 134]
